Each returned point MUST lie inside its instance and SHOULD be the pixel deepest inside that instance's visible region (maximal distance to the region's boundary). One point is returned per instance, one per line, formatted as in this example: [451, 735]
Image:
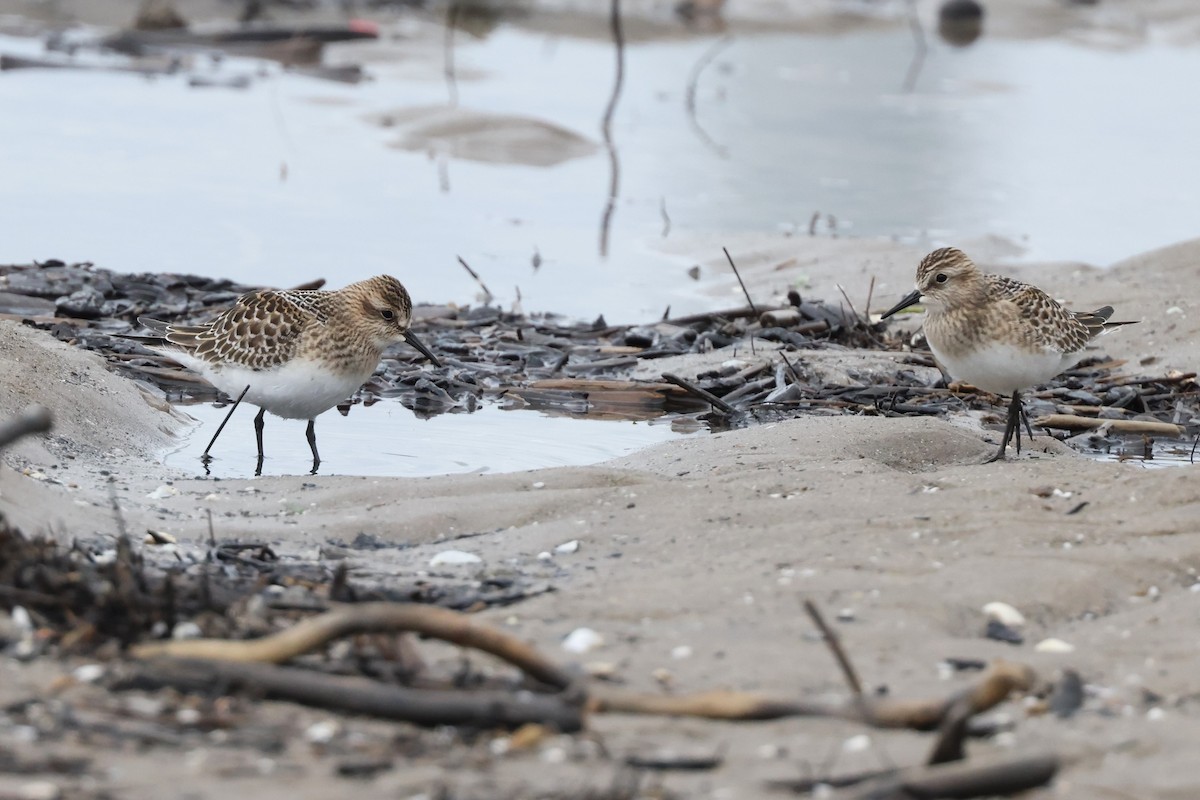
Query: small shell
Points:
[1004, 614]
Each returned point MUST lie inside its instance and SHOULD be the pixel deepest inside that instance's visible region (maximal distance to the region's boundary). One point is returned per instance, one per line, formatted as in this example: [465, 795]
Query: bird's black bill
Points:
[910, 299]
[412, 339]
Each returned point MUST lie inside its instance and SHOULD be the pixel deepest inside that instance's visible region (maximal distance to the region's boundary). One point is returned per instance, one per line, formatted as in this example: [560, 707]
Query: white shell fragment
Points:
[88, 673]
[566, 548]
[163, 492]
[450, 558]
[1054, 646]
[1004, 614]
[582, 640]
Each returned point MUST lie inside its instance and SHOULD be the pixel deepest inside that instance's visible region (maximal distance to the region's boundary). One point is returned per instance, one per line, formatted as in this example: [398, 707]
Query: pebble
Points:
[846, 615]
[681, 652]
[566, 548]
[1003, 633]
[604, 670]
[88, 673]
[186, 630]
[857, 744]
[454, 558]
[582, 640]
[163, 492]
[322, 732]
[1054, 646]
[1004, 614]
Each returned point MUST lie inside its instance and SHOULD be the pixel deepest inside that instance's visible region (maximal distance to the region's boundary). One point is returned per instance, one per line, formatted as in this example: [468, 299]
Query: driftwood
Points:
[35, 419]
[1071, 422]
[314, 633]
[360, 695]
[983, 777]
[993, 687]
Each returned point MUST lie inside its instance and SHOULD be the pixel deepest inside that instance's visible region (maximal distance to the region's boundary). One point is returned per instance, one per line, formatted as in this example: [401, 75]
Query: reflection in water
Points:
[921, 48]
[614, 165]
[689, 101]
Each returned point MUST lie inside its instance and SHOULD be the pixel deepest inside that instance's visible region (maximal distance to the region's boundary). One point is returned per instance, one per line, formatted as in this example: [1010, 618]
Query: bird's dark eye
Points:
[388, 314]
[941, 277]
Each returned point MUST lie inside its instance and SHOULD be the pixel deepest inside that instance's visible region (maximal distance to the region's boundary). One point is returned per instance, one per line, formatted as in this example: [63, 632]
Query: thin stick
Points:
[204, 457]
[870, 294]
[791, 370]
[695, 390]
[738, 275]
[835, 645]
[846, 297]
[487, 293]
[689, 99]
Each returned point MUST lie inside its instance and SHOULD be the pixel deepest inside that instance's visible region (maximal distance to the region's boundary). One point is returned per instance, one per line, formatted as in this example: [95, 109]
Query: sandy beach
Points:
[694, 556]
[705, 547]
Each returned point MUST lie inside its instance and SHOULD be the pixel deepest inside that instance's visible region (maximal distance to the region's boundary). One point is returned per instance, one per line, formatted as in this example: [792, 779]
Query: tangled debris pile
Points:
[780, 365]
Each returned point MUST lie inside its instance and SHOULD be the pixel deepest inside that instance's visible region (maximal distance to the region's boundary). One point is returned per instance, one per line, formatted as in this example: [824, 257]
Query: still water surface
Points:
[1068, 151]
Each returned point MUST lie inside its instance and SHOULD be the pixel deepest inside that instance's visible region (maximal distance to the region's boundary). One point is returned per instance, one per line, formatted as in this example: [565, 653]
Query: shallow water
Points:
[387, 439]
[1061, 148]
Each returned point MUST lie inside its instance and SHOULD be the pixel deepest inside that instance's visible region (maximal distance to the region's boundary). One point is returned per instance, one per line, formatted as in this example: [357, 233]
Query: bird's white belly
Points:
[297, 390]
[1002, 368]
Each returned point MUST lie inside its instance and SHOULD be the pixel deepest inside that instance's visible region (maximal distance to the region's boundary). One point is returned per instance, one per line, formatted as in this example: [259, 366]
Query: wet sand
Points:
[710, 543]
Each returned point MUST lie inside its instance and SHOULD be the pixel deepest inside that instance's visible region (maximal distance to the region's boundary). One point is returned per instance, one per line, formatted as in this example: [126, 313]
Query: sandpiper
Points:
[294, 353]
[997, 333]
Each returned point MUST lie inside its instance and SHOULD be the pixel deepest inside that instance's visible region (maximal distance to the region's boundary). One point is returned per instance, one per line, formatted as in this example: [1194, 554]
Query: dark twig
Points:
[695, 390]
[846, 297]
[689, 99]
[35, 419]
[362, 696]
[738, 275]
[952, 734]
[835, 645]
[487, 293]
[614, 181]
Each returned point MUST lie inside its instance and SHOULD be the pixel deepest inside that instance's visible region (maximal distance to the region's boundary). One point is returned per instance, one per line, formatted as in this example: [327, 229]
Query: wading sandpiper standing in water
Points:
[997, 333]
[295, 354]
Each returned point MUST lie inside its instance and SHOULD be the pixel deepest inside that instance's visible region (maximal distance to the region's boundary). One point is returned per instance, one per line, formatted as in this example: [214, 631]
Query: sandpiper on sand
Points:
[997, 333]
[295, 353]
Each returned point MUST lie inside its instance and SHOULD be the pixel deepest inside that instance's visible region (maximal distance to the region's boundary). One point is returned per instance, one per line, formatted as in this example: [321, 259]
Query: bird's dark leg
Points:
[205, 458]
[312, 443]
[258, 429]
[1025, 418]
[1011, 427]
